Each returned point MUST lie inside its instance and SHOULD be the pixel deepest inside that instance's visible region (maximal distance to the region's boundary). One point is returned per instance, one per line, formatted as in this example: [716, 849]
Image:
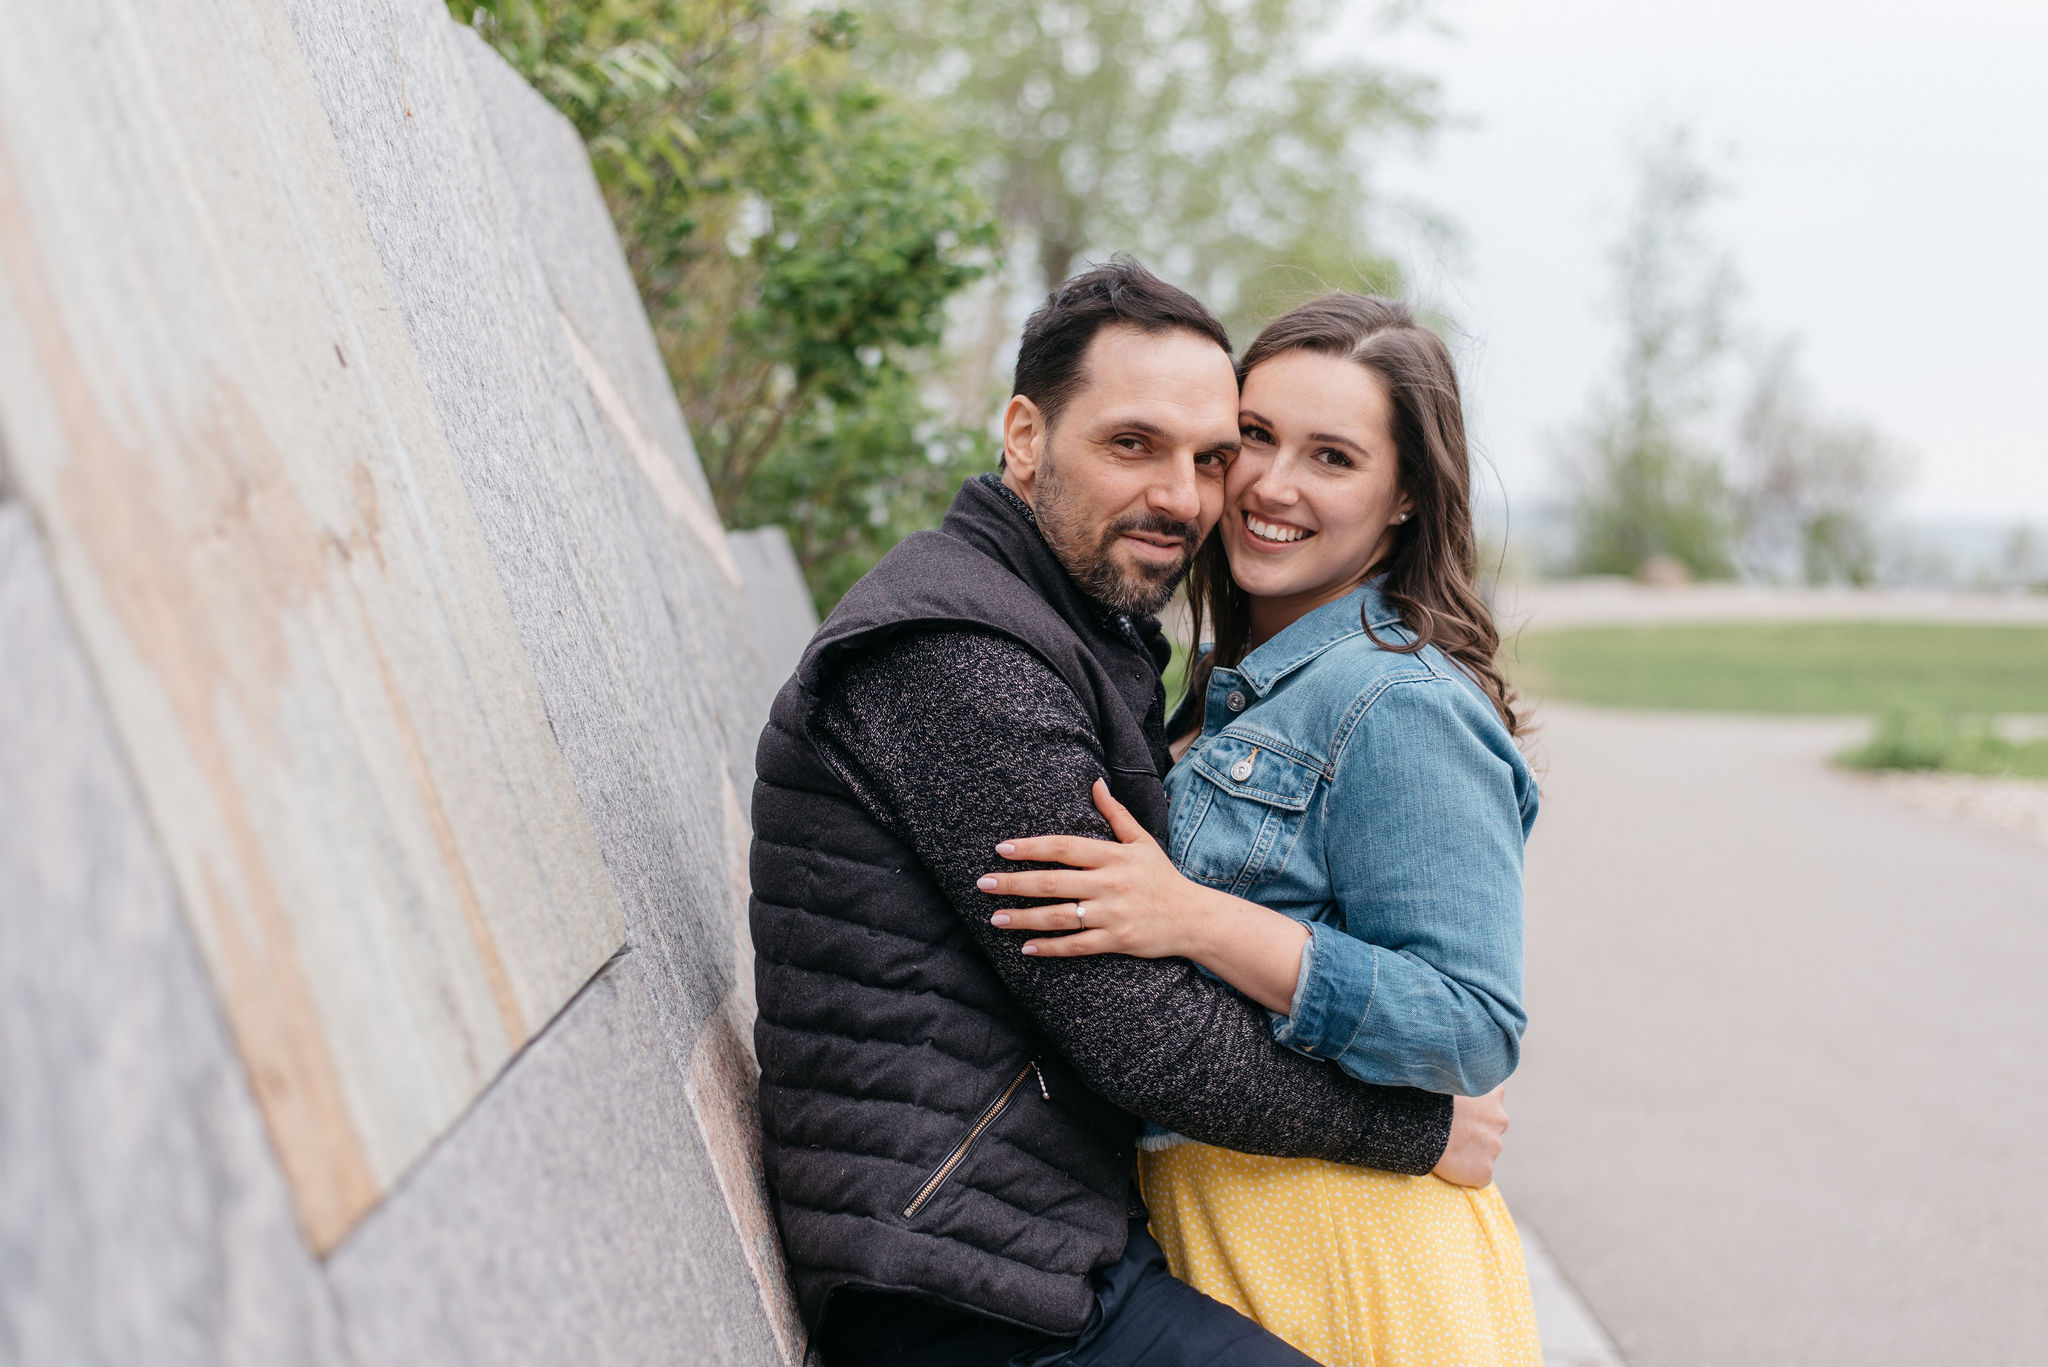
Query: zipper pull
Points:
[1043, 1090]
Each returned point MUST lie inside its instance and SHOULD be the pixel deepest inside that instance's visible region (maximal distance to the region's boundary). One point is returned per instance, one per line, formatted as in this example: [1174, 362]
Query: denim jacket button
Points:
[1241, 770]
[1235, 702]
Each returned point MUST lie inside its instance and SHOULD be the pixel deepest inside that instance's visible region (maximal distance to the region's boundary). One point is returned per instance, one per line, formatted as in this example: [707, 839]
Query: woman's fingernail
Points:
[1006, 849]
[1030, 949]
[987, 882]
[1001, 918]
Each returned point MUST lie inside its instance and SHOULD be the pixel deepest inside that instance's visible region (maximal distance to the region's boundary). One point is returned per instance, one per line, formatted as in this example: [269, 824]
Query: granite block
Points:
[575, 1216]
[218, 418]
[143, 1218]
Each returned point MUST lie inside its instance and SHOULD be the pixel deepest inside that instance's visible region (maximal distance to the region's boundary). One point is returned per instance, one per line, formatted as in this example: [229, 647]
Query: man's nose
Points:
[1179, 494]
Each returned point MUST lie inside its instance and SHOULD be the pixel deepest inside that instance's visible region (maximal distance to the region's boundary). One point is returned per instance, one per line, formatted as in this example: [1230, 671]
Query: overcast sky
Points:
[1888, 174]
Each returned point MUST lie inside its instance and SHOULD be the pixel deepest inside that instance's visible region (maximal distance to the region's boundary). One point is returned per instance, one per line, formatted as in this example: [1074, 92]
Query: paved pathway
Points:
[1784, 1098]
[1550, 604]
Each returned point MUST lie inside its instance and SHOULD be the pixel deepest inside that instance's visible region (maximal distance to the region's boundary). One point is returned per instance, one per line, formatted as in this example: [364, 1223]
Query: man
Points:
[948, 1124]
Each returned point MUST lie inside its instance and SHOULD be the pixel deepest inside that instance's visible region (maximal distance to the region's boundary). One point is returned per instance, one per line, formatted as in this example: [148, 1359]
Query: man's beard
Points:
[1090, 556]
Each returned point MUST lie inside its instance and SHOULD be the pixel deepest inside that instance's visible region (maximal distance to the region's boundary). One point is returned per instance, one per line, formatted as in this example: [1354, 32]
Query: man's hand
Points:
[1477, 1125]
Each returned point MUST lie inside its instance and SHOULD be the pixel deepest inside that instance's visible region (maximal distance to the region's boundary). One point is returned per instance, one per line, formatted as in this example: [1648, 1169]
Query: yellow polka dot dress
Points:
[1356, 1268]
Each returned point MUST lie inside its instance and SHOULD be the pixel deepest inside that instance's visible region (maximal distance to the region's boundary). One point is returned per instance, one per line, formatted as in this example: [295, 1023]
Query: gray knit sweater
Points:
[965, 738]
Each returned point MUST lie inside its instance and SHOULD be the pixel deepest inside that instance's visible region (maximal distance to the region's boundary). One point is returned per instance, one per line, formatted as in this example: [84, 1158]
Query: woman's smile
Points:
[1265, 532]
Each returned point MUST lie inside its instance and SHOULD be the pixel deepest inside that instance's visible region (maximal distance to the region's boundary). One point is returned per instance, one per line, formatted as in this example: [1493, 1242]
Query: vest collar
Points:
[989, 516]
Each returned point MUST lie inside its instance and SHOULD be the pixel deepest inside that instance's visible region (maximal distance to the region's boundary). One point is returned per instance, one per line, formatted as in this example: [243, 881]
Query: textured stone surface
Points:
[574, 1217]
[777, 601]
[220, 421]
[353, 221]
[625, 589]
[141, 1216]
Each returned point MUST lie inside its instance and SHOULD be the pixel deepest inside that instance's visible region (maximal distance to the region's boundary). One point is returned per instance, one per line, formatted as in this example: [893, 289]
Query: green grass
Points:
[1835, 668]
[1961, 745]
[1175, 676]
[1934, 690]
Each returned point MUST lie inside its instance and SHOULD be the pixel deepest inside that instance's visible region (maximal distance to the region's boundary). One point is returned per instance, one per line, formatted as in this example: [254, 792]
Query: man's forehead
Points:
[1168, 380]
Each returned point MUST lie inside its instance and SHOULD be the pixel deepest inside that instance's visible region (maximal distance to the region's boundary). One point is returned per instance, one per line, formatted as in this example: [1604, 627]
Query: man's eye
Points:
[1130, 443]
[1212, 458]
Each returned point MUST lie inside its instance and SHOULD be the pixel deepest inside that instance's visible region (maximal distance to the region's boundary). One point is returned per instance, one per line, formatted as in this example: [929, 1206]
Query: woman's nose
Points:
[1274, 487]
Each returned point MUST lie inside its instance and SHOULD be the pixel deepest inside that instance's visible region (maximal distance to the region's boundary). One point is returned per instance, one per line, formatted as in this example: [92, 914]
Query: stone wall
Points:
[378, 692]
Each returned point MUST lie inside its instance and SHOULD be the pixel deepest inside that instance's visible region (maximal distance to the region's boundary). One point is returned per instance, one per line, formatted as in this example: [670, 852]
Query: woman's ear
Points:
[1404, 508]
[1024, 434]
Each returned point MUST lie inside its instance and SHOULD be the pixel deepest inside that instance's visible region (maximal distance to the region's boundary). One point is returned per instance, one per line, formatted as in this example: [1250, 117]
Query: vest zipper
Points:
[986, 1119]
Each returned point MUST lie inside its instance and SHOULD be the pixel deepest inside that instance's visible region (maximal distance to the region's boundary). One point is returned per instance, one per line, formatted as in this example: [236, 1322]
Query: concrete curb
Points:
[1571, 1336]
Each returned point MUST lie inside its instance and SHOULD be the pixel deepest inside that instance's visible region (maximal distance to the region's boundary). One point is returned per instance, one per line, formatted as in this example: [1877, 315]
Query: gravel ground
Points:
[2019, 805]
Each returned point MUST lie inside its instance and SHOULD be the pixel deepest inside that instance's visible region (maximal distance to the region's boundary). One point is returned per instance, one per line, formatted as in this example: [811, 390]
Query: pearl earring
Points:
[1402, 518]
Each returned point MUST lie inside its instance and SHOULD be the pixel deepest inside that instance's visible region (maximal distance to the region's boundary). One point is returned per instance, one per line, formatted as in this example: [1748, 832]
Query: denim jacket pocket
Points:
[1243, 812]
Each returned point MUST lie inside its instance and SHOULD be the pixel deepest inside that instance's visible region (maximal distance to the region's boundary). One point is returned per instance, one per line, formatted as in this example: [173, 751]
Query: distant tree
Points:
[1220, 140]
[1645, 482]
[796, 231]
[2024, 563]
[1808, 489]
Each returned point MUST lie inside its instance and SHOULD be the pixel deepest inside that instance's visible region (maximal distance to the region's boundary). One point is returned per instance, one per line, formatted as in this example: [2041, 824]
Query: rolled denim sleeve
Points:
[1421, 986]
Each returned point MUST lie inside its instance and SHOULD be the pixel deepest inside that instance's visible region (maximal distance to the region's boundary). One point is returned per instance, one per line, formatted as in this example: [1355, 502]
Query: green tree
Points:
[795, 230]
[1214, 138]
[1645, 482]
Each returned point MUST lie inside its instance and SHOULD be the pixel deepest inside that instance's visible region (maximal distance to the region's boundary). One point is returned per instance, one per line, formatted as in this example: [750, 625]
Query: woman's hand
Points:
[1122, 896]
[1126, 897]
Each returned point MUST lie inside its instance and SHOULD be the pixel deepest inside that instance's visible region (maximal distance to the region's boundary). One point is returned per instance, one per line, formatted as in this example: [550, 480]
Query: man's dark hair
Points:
[1117, 292]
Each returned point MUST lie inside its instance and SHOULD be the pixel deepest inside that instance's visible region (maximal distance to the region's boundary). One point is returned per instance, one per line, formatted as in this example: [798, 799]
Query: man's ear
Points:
[1024, 437]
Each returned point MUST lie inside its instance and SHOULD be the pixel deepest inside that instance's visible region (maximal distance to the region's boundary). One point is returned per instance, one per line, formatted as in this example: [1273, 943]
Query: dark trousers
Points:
[1144, 1317]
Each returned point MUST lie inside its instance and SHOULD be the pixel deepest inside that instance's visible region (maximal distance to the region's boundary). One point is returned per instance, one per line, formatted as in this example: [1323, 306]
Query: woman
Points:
[1349, 812]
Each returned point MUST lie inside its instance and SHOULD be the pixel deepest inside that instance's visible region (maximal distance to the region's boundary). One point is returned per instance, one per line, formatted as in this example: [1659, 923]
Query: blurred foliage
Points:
[1787, 495]
[1216, 139]
[1645, 483]
[2023, 564]
[1924, 739]
[1826, 668]
[1808, 489]
[795, 230]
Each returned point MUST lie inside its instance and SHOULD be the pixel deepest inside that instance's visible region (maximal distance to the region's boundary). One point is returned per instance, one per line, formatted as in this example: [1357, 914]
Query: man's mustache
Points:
[1155, 524]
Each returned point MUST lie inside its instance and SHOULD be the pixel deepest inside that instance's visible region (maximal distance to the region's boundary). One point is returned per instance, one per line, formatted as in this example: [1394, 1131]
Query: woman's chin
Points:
[1254, 574]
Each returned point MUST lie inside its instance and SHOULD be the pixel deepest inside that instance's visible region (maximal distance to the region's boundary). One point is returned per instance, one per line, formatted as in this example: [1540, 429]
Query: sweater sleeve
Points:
[958, 739]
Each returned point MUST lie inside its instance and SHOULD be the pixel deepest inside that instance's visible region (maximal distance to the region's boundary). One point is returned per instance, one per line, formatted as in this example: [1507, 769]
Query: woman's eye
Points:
[1331, 456]
[1252, 432]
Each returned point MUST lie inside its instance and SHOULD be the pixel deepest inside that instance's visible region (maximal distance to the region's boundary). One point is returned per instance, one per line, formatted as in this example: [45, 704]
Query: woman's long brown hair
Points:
[1432, 570]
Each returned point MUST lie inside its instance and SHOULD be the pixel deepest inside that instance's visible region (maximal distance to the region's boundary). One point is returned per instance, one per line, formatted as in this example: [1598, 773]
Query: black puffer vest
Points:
[889, 1049]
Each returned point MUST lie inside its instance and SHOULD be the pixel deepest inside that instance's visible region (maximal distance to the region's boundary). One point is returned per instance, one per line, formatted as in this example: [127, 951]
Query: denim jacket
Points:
[1377, 798]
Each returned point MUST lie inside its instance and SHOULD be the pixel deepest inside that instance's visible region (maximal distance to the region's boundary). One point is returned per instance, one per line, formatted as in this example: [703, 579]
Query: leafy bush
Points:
[796, 232]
